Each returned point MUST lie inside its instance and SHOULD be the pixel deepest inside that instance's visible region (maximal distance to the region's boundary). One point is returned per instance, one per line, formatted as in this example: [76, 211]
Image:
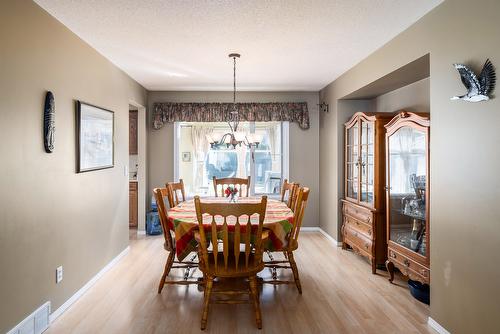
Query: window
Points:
[197, 163]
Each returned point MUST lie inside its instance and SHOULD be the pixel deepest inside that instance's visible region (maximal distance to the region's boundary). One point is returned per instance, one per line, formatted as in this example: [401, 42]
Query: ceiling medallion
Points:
[234, 137]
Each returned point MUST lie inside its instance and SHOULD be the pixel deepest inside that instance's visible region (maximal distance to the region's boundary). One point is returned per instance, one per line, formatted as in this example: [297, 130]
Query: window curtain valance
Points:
[166, 112]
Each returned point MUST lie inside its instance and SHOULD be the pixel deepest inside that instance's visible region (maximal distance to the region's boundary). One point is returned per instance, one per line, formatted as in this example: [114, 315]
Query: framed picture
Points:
[95, 137]
[186, 156]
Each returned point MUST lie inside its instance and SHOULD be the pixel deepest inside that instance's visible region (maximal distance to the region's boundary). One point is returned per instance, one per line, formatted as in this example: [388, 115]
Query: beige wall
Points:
[414, 97]
[49, 215]
[464, 179]
[304, 149]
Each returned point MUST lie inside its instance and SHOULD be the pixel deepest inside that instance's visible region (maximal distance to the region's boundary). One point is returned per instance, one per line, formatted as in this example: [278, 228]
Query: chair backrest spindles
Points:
[289, 189]
[220, 234]
[236, 182]
[248, 231]
[225, 242]
[302, 197]
[174, 188]
[214, 240]
[237, 242]
[160, 194]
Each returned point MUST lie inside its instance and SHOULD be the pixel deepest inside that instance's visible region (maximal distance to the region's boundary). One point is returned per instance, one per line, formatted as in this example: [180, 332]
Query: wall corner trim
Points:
[320, 230]
[436, 326]
[67, 304]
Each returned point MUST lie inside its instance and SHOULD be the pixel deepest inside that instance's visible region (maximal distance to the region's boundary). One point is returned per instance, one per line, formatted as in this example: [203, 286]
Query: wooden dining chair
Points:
[289, 192]
[292, 244]
[174, 190]
[160, 195]
[237, 182]
[233, 254]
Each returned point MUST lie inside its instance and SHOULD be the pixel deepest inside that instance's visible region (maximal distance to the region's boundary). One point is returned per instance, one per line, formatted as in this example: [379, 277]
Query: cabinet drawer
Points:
[357, 240]
[408, 266]
[356, 225]
[357, 212]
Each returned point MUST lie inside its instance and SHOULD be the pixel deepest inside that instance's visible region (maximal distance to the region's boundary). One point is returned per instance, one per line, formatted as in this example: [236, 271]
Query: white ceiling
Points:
[286, 45]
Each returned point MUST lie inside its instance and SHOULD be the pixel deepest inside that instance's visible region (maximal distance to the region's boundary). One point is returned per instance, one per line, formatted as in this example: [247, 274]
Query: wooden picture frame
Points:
[186, 156]
[94, 137]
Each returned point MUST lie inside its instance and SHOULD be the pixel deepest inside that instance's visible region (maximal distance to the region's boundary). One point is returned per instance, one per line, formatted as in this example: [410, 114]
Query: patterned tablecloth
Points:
[182, 219]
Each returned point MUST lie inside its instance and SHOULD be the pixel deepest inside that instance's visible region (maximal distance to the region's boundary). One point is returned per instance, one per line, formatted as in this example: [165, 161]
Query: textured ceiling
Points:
[285, 45]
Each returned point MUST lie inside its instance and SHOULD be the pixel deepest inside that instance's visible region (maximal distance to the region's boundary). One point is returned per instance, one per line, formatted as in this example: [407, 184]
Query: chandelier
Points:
[234, 137]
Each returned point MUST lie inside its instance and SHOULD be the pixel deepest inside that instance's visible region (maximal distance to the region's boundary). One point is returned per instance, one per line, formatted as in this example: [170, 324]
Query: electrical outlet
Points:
[59, 274]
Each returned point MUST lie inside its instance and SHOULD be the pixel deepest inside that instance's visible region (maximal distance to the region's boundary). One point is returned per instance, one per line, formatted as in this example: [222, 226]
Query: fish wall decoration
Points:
[49, 121]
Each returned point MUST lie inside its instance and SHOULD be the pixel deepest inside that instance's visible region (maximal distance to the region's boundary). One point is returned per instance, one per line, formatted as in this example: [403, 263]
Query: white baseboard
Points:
[320, 230]
[309, 229]
[436, 326]
[87, 286]
[329, 237]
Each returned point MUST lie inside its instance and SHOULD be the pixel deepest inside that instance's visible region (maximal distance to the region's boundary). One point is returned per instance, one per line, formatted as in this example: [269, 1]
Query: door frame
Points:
[141, 171]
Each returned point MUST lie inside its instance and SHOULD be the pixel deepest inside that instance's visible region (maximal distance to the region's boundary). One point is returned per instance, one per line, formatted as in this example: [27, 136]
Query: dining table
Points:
[183, 221]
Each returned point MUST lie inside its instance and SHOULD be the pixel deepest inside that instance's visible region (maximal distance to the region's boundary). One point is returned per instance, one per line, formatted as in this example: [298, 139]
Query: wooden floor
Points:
[340, 295]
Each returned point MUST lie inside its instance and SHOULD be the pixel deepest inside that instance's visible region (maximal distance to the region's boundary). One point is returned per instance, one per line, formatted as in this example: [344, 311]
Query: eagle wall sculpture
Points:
[478, 89]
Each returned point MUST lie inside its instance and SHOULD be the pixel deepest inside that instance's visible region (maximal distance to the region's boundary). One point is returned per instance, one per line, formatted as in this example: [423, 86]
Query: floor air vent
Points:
[36, 323]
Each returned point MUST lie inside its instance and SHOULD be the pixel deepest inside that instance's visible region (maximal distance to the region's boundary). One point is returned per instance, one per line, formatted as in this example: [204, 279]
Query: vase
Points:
[233, 198]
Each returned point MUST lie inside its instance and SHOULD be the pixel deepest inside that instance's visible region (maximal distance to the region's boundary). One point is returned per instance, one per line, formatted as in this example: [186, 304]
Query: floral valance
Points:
[166, 112]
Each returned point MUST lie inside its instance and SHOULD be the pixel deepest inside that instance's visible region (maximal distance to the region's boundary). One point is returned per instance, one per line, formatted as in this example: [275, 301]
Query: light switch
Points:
[59, 274]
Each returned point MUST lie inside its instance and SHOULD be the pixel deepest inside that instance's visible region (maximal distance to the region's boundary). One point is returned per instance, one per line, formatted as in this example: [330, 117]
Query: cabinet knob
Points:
[407, 263]
[393, 255]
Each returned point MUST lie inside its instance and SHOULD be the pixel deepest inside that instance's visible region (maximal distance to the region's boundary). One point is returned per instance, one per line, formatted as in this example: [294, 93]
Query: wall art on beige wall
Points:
[49, 121]
[478, 89]
[186, 156]
[95, 137]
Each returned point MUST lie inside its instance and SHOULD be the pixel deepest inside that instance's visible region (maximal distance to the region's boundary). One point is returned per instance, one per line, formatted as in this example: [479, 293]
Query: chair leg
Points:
[206, 301]
[295, 271]
[166, 271]
[254, 294]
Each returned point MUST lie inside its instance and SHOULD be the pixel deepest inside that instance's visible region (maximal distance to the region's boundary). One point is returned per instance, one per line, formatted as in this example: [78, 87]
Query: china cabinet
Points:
[407, 195]
[363, 225]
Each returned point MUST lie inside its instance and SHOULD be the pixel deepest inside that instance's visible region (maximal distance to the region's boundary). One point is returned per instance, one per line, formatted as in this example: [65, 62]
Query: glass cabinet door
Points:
[352, 160]
[407, 172]
[366, 166]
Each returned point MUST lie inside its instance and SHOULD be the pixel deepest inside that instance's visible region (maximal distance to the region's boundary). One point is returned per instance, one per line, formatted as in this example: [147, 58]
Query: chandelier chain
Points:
[230, 139]
[234, 80]
[234, 115]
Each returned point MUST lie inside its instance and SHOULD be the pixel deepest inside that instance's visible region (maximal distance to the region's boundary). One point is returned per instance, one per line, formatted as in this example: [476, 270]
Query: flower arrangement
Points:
[231, 191]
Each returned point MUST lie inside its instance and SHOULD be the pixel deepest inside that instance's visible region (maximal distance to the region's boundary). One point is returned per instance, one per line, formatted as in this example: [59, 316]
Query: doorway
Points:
[137, 167]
